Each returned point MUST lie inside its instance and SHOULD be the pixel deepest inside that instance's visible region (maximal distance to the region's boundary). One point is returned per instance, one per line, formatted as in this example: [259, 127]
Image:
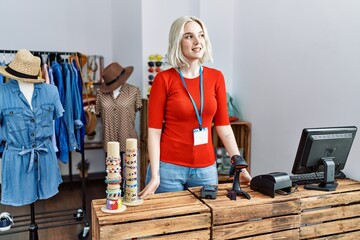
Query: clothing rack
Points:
[61, 217]
[41, 52]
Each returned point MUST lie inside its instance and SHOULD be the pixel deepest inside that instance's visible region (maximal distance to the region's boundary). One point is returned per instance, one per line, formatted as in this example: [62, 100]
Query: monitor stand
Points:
[329, 183]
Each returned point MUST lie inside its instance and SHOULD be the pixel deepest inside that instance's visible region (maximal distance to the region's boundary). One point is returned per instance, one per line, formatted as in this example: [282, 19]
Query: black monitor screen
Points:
[316, 145]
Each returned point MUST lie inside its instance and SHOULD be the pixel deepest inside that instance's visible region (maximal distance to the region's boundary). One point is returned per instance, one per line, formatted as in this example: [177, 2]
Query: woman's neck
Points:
[191, 71]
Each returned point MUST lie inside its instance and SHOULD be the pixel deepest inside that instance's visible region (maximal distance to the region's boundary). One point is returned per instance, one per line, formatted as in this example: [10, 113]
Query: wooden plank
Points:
[193, 235]
[292, 234]
[222, 201]
[329, 214]
[146, 215]
[345, 236]
[253, 228]
[155, 207]
[256, 197]
[259, 206]
[156, 196]
[243, 213]
[160, 214]
[144, 153]
[156, 226]
[330, 228]
[94, 224]
[330, 200]
[345, 185]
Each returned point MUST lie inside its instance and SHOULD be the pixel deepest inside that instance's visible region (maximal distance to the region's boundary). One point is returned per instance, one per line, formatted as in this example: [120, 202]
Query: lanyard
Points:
[199, 116]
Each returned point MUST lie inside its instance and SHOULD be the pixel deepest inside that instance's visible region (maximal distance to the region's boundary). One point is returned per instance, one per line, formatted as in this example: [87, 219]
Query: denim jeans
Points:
[175, 178]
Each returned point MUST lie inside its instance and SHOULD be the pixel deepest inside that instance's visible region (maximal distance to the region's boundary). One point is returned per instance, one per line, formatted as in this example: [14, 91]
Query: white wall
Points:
[298, 67]
[126, 33]
[157, 17]
[84, 26]
[127, 39]
[288, 64]
[219, 18]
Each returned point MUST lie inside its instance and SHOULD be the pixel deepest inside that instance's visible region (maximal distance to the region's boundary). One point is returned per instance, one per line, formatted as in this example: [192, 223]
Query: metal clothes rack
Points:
[57, 218]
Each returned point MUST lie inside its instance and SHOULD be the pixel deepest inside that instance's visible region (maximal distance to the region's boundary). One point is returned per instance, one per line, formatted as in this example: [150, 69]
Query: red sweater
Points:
[170, 104]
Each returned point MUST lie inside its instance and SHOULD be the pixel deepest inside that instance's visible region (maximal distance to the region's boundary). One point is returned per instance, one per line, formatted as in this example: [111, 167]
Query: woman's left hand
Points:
[245, 177]
[150, 187]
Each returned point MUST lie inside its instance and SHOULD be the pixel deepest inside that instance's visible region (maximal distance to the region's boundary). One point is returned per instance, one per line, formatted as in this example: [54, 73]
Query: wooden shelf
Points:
[93, 145]
[242, 132]
[144, 154]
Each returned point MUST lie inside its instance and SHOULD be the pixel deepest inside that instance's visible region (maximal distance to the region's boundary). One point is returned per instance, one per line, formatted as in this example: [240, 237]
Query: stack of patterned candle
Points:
[113, 179]
[131, 187]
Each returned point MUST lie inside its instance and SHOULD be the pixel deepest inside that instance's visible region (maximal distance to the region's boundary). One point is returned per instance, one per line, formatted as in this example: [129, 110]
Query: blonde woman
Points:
[184, 102]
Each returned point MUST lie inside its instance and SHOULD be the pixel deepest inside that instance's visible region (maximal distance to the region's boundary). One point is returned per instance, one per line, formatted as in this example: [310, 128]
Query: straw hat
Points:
[91, 121]
[25, 67]
[114, 76]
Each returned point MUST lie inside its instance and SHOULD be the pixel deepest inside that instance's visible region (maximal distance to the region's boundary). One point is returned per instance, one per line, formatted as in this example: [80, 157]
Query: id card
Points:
[200, 136]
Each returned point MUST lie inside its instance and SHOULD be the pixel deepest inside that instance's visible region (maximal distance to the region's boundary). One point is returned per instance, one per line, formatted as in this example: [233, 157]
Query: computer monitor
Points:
[324, 150]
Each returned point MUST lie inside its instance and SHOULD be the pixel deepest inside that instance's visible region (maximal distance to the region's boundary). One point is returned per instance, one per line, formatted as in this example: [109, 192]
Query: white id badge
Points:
[200, 136]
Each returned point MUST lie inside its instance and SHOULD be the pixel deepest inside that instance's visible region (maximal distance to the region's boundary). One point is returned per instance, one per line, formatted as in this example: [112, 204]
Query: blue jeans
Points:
[175, 178]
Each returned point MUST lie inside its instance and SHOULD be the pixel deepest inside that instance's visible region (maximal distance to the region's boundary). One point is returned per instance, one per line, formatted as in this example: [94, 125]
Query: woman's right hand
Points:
[151, 187]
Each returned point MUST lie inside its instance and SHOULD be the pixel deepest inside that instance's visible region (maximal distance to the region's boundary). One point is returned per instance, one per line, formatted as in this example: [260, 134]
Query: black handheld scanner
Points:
[237, 162]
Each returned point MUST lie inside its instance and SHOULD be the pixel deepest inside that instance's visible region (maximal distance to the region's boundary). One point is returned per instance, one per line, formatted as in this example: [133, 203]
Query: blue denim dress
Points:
[29, 164]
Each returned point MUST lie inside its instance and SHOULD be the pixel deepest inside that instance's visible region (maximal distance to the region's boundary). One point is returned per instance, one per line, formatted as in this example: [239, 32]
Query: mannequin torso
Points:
[118, 113]
[116, 92]
[27, 89]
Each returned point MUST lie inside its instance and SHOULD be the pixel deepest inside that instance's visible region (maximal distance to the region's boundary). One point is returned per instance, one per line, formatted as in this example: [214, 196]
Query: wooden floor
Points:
[48, 213]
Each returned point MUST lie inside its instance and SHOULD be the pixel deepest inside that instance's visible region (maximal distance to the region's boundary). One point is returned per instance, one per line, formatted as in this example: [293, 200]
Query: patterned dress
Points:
[118, 114]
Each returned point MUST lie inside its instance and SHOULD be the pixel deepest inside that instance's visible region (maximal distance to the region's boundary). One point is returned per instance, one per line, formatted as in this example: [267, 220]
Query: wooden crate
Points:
[262, 217]
[331, 215]
[177, 215]
[144, 153]
[242, 132]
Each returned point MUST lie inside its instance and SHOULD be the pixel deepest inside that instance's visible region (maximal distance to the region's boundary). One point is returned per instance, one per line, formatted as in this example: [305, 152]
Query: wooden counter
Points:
[177, 215]
[261, 216]
[304, 214]
[331, 213]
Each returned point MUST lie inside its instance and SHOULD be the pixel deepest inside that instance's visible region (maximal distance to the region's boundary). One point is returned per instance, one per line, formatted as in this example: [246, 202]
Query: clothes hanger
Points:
[3, 61]
[65, 58]
[92, 67]
[11, 56]
[43, 58]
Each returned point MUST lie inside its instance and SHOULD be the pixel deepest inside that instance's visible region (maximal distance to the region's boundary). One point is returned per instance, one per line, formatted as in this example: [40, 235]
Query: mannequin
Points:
[116, 92]
[27, 89]
[117, 103]
[28, 107]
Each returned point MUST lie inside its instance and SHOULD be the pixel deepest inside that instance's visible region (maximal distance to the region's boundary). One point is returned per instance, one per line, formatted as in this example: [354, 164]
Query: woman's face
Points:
[193, 41]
